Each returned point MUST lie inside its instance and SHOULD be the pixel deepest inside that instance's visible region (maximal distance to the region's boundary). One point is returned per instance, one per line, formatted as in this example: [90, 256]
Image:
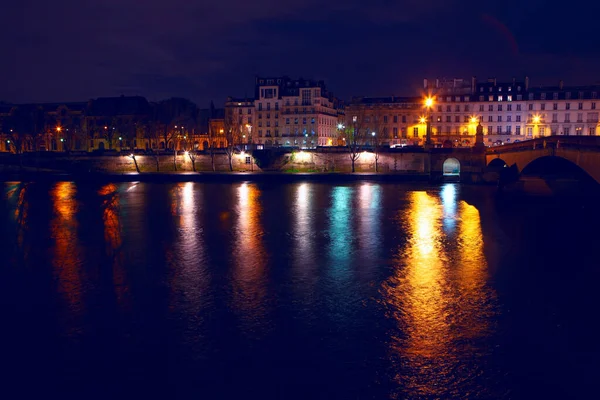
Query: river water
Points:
[295, 291]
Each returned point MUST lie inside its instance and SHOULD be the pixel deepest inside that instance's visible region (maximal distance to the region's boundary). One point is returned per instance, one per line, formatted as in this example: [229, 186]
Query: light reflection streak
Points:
[189, 276]
[340, 229]
[304, 240]
[302, 222]
[449, 200]
[249, 280]
[110, 216]
[17, 194]
[113, 231]
[369, 225]
[65, 254]
[439, 300]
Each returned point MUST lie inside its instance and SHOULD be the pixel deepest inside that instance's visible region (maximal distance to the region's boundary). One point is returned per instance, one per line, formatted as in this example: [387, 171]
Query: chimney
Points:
[514, 80]
[437, 83]
[561, 84]
[473, 84]
[526, 83]
[424, 83]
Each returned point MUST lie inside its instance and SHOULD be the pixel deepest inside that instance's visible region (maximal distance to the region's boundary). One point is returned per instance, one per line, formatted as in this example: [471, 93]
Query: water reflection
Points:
[110, 216]
[369, 224]
[449, 200]
[249, 280]
[189, 276]
[17, 196]
[438, 298]
[113, 230]
[303, 235]
[340, 230]
[66, 254]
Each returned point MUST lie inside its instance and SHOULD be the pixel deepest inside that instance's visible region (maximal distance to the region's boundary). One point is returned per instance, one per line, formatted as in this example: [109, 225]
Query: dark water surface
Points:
[295, 291]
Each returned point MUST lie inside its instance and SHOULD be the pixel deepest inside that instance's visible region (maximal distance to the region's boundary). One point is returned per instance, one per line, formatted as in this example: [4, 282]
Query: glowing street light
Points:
[473, 120]
[58, 129]
[372, 133]
[428, 104]
[536, 119]
[341, 126]
[422, 120]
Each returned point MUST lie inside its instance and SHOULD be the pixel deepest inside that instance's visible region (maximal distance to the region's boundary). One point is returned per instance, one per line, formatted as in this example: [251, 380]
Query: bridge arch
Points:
[451, 167]
[555, 166]
[497, 163]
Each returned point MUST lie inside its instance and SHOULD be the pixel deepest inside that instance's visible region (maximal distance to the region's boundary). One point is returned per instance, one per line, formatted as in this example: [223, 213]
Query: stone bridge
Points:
[549, 155]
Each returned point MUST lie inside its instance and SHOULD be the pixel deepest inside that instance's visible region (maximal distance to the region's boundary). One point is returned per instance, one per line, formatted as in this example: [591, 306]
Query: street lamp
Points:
[428, 105]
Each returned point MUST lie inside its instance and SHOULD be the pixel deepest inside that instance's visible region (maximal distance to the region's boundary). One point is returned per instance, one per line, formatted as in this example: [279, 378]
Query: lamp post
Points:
[341, 127]
[428, 104]
[58, 131]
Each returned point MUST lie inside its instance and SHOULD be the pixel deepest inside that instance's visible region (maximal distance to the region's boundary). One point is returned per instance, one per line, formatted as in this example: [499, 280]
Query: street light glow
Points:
[340, 126]
[536, 119]
[473, 120]
[58, 129]
[422, 120]
[373, 133]
[429, 102]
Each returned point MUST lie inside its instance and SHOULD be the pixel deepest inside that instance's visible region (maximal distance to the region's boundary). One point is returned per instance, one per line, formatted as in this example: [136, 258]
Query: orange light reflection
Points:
[66, 257]
[249, 292]
[439, 298]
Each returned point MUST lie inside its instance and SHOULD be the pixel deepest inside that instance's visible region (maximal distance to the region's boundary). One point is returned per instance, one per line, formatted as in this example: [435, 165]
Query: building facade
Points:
[285, 112]
[508, 111]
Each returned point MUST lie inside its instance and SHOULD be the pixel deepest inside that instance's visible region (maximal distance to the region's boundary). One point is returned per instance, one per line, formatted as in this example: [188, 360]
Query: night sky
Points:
[66, 50]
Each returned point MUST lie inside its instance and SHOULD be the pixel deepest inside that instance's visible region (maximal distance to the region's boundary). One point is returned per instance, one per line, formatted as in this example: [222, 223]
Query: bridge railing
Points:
[586, 143]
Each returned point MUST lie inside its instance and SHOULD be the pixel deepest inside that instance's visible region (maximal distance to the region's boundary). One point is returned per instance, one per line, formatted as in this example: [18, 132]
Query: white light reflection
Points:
[368, 218]
[249, 275]
[189, 274]
[449, 200]
[304, 259]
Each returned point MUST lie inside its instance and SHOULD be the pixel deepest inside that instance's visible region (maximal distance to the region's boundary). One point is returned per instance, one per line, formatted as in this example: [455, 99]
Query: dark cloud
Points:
[73, 50]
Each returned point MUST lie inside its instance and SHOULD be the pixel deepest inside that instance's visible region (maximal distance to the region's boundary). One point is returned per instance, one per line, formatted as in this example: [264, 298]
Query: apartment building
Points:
[509, 111]
[286, 112]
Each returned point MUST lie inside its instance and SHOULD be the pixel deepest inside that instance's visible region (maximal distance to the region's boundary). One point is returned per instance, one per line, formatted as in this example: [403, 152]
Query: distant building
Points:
[284, 112]
[508, 111]
[239, 113]
[114, 122]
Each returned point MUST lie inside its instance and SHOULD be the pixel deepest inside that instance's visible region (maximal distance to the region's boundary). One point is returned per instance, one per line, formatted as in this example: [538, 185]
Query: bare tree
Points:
[354, 134]
[192, 154]
[376, 134]
[153, 132]
[109, 132]
[211, 145]
[233, 135]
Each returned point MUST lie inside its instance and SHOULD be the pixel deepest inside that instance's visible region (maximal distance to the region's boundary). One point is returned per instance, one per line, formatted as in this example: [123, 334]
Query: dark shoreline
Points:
[224, 177]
